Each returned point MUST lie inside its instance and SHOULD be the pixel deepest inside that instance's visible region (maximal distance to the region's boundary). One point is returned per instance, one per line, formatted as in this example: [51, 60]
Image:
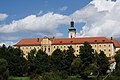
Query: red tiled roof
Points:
[29, 41]
[80, 40]
[55, 41]
[116, 43]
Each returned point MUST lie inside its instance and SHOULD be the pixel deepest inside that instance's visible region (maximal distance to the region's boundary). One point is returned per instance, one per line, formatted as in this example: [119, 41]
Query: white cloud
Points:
[48, 24]
[103, 5]
[101, 17]
[7, 43]
[3, 16]
[10, 38]
[64, 8]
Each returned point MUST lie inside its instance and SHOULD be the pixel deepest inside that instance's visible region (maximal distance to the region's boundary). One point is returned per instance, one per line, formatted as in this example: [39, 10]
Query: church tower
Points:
[72, 30]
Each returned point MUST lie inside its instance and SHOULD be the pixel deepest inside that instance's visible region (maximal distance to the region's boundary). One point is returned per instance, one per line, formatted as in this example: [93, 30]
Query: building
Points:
[109, 46]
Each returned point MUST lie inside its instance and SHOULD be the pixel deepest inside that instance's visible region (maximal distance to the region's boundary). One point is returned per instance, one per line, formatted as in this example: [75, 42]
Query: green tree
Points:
[76, 66]
[31, 62]
[16, 61]
[117, 59]
[57, 60]
[4, 73]
[61, 60]
[68, 58]
[42, 62]
[87, 58]
[103, 63]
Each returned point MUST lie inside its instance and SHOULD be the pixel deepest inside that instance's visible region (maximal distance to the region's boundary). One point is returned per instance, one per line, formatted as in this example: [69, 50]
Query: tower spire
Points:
[72, 23]
[72, 30]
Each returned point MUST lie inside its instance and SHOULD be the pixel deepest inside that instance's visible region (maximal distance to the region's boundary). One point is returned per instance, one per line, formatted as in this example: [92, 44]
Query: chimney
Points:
[53, 37]
[111, 38]
[37, 39]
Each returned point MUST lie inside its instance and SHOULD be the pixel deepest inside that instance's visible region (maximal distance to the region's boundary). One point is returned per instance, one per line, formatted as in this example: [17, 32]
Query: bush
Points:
[36, 77]
[63, 74]
[116, 73]
[51, 76]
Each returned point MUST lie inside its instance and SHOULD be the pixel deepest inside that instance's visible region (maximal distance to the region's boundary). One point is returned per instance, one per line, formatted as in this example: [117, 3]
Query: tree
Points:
[76, 66]
[31, 62]
[61, 60]
[41, 62]
[103, 63]
[16, 62]
[117, 59]
[68, 59]
[87, 58]
[57, 60]
[4, 73]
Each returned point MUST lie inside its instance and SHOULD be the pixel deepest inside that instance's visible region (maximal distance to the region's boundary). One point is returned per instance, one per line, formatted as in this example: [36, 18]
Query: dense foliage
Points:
[4, 73]
[60, 64]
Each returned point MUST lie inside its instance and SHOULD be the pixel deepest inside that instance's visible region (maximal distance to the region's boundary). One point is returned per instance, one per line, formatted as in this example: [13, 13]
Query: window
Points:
[54, 46]
[45, 48]
[64, 46]
[61, 46]
[105, 50]
[95, 45]
[37, 47]
[104, 45]
[49, 49]
[100, 45]
[30, 47]
[22, 47]
[77, 46]
[109, 45]
[109, 50]
[77, 50]
[26, 47]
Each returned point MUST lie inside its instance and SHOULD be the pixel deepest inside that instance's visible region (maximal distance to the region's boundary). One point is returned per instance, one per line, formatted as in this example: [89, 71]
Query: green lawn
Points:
[69, 78]
[19, 78]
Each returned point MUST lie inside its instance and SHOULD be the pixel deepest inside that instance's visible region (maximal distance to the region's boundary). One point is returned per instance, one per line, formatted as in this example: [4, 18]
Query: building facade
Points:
[50, 44]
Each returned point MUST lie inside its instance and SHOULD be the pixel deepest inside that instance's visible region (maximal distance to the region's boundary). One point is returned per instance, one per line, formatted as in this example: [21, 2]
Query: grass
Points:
[19, 78]
[69, 78]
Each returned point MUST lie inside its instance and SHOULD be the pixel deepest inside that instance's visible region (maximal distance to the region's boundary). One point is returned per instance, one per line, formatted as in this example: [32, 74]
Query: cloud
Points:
[3, 16]
[8, 38]
[101, 18]
[7, 43]
[47, 24]
[103, 5]
[64, 8]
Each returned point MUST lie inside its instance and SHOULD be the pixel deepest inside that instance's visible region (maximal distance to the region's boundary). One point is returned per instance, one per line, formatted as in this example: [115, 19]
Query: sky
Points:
[38, 18]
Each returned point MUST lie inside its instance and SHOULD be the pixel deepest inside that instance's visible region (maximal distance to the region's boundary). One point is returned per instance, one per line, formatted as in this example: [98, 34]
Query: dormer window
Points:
[95, 40]
[37, 39]
[71, 41]
[103, 40]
